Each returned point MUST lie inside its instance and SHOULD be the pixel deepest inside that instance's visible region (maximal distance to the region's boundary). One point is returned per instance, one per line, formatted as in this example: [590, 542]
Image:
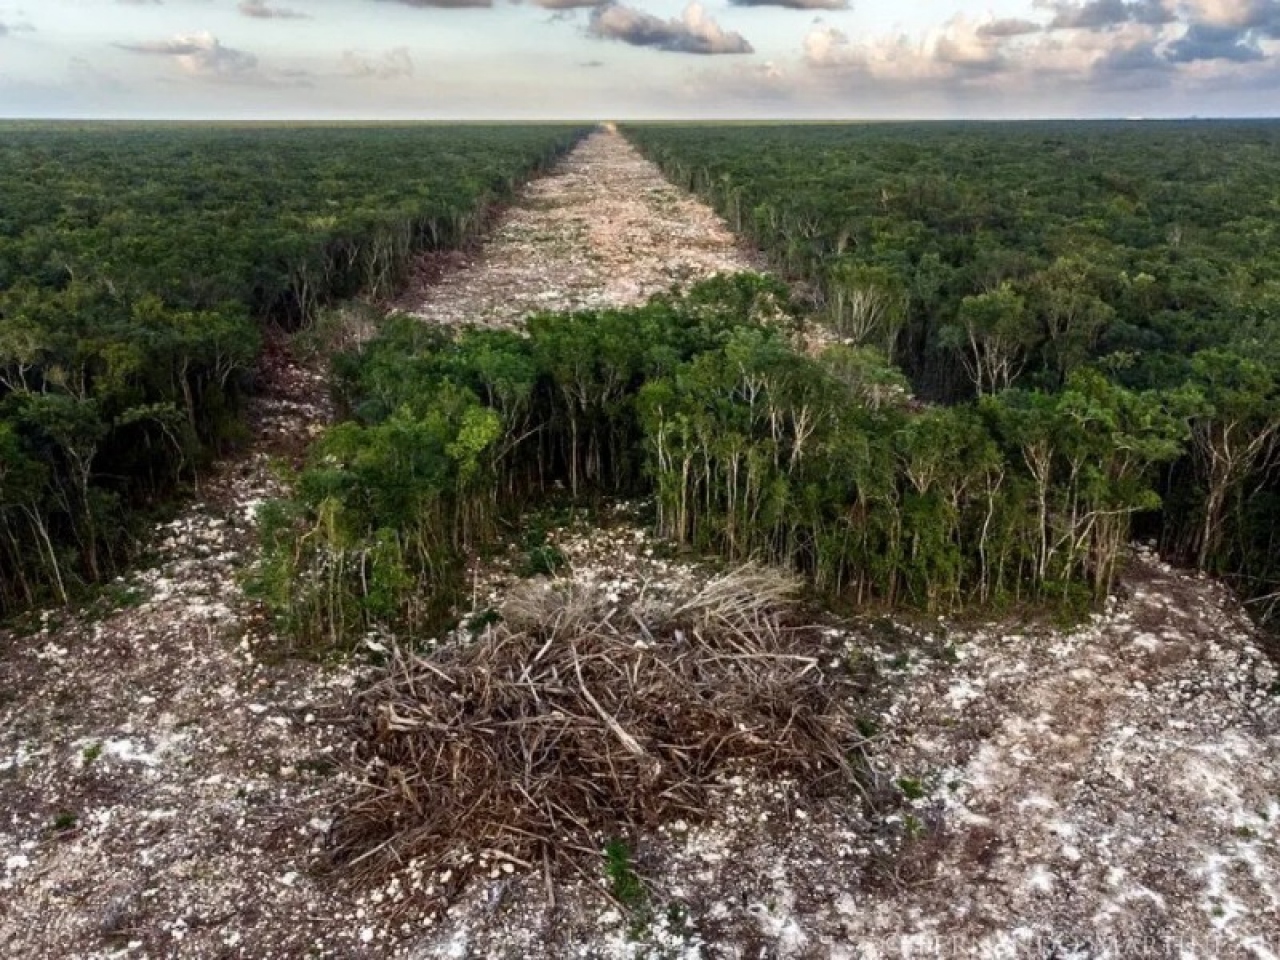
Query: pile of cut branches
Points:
[573, 720]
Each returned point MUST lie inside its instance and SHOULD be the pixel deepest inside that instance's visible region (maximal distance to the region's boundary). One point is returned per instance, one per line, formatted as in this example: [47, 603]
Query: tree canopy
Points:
[138, 267]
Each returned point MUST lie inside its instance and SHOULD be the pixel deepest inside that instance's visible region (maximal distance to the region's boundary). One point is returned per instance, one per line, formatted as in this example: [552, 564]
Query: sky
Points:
[628, 59]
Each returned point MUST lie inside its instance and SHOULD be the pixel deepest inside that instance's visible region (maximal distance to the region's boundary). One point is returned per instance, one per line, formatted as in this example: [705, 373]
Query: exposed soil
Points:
[168, 776]
[164, 772]
[1111, 790]
[605, 229]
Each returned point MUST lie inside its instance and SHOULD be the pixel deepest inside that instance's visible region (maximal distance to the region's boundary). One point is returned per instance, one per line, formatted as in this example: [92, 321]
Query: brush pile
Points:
[574, 720]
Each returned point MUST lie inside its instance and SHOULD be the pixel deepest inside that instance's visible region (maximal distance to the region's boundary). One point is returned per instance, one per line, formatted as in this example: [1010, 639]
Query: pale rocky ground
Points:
[605, 230]
[167, 776]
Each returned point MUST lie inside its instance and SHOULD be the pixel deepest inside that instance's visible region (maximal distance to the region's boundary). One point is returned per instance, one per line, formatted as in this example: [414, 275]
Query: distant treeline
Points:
[983, 258]
[137, 268]
[752, 449]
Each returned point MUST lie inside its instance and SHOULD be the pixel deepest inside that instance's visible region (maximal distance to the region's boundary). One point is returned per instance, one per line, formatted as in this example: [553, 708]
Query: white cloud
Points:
[199, 55]
[695, 31]
[262, 10]
[794, 4]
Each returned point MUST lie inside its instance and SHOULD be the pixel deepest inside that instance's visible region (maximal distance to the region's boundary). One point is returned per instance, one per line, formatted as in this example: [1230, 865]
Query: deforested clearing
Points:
[605, 229]
[622, 745]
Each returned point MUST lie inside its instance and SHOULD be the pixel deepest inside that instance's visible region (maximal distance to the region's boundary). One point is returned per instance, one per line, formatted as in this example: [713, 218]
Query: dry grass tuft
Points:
[573, 720]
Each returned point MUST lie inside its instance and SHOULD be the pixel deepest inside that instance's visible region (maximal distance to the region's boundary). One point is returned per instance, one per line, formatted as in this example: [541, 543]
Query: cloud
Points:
[956, 50]
[1205, 42]
[794, 4]
[199, 55]
[394, 64]
[1260, 15]
[1131, 66]
[1067, 55]
[260, 10]
[8, 29]
[1103, 14]
[962, 60]
[1097, 45]
[567, 4]
[963, 45]
[693, 32]
[1009, 27]
[444, 4]
[1229, 31]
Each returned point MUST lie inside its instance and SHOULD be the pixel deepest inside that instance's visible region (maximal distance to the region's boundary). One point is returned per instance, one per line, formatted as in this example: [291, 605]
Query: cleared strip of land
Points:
[605, 229]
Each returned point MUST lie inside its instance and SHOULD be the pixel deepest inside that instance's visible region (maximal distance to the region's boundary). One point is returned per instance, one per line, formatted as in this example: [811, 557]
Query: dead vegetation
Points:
[574, 720]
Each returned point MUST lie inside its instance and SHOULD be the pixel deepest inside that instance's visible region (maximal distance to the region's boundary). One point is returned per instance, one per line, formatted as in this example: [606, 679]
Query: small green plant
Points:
[110, 598]
[911, 788]
[867, 727]
[542, 557]
[901, 662]
[624, 882]
[64, 821]
[544, 561]
[92, 752]
[123, 596]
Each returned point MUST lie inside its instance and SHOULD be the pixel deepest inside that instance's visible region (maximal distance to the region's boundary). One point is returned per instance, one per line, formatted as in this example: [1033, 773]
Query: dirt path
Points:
[1108, 791]
[605, 229]
[163, 771]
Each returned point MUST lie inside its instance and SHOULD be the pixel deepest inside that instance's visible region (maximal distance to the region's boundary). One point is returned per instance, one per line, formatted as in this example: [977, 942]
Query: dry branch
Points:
[569, 722]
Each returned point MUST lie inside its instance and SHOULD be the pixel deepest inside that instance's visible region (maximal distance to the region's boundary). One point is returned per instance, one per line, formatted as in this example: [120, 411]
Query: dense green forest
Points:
[1050, 337]
[1037, 257]
[139, 266]
[750, 448]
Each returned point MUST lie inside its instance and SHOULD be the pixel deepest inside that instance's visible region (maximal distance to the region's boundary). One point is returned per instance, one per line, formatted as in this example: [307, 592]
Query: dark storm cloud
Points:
[260, 10]
[692, 32]
[794, 4]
